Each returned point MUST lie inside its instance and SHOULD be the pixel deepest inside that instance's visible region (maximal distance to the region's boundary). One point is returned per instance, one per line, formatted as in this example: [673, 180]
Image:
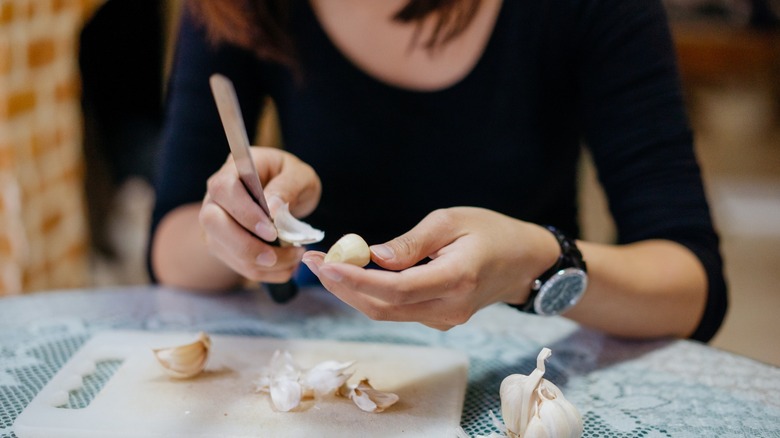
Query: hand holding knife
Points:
[233, 122]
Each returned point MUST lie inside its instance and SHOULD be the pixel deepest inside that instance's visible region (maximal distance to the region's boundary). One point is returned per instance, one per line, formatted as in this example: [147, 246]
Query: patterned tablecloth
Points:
[622, 388]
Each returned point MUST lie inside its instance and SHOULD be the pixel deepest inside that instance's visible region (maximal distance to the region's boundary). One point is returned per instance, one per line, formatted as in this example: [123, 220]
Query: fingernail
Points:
[266, 231]
[331, 274]
[384, 252]
[266, 259]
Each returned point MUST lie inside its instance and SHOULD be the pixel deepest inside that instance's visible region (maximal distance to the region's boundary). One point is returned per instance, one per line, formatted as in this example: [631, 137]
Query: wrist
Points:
[562, 284]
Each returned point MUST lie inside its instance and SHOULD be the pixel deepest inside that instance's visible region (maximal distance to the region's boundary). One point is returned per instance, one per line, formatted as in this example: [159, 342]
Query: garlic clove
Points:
[517, 393]
[351, 249]
[294, 231]
[535, 429]
[367, 398]
[558, 415]
[185, 361]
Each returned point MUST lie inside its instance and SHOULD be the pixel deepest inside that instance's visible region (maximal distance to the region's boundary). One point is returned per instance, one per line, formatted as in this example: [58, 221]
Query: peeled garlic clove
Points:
[351, 249]
[534, 407]
[185, 361]
[294, 231]
[367, 398]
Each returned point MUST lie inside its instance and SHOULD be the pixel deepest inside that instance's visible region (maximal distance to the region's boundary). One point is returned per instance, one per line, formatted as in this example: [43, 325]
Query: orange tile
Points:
[17, 103]
[7, 12]
[40, 52]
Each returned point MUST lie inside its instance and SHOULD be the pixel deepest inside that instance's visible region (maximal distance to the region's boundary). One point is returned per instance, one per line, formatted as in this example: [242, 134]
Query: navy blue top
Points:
[555, 75]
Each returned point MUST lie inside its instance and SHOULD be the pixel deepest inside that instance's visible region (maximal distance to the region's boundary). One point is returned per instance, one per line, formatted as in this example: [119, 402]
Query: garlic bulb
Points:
[294, 231]
[351, 249]
[367, 398]
[533, 407]
[185, 361]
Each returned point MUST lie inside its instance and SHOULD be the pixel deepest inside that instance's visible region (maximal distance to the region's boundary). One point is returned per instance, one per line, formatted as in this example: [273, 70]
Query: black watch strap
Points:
[570, 257]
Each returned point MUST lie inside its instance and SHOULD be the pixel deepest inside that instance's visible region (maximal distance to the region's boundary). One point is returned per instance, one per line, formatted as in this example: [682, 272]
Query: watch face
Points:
[561, 291]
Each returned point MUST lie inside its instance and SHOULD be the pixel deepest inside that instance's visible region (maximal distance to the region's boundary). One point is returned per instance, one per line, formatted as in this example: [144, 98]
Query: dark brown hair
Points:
[263, 25]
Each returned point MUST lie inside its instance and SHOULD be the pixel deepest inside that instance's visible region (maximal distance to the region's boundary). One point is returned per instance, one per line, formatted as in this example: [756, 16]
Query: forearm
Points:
[647, 289]
[181, 258]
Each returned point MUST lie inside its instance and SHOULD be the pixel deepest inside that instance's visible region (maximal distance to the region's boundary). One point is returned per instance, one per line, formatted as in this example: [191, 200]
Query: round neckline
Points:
[489, 47]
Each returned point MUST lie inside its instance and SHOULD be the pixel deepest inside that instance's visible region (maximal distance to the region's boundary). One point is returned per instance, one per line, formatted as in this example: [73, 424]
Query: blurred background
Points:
[81, 94]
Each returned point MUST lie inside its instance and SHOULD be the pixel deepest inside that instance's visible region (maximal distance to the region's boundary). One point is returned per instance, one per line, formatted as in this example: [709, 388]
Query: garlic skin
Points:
[351, 249]
[288, 384]
[294, 231]
[367, 398]
[534, 407]
[185, 361]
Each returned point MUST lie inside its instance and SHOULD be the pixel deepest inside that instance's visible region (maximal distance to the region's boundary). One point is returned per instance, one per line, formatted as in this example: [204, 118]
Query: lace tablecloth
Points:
[622, 388]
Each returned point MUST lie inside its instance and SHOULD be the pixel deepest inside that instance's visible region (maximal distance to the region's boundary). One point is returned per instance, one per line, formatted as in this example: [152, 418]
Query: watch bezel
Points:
[549, 286]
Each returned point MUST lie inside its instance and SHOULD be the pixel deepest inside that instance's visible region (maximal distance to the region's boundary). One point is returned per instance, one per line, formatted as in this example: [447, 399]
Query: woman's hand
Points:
[233, 223]
[477, 257]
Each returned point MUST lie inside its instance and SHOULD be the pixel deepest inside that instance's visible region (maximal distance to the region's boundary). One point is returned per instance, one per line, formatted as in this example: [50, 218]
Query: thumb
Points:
[424, 240]
[296, 184]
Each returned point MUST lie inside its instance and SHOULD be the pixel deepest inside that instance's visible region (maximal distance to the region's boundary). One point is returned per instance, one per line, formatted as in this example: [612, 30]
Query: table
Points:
[661, 388]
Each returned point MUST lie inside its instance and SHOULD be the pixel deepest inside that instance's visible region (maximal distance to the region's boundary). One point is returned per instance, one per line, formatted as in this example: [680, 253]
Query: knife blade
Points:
[233, 122]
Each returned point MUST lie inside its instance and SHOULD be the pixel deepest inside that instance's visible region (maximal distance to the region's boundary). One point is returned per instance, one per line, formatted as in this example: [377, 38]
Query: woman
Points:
[447, 133]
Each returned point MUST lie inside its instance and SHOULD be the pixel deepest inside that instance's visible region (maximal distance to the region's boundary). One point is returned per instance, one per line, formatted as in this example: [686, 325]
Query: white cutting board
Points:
[140, 400]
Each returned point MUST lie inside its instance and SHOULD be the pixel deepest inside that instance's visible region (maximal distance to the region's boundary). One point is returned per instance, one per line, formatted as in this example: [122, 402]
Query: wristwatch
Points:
[560, 287]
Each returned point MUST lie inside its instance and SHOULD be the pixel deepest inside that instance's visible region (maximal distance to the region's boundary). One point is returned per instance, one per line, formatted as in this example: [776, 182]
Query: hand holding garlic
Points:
[473, 261]
[236, 230]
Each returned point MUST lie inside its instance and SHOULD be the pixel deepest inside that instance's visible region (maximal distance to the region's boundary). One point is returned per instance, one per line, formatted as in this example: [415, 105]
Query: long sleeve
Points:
[635, 125]
[194, 145]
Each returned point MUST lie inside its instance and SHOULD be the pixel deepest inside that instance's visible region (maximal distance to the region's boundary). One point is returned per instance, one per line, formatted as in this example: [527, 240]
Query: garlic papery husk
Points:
[280, 379]
[185, 361]
[534, 407]
[294, 231]
[289, 384]
[326, 377]
[351, 249]
[367, 398]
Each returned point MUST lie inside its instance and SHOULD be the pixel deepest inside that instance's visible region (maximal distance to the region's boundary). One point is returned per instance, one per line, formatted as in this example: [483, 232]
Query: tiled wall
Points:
[43, 231]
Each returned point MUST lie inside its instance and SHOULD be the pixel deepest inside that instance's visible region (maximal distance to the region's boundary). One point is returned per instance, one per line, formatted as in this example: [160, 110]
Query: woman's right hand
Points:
[233, 223]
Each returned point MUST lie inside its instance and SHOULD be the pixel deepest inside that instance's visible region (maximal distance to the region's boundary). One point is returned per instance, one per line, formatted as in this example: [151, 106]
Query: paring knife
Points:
[233, 122]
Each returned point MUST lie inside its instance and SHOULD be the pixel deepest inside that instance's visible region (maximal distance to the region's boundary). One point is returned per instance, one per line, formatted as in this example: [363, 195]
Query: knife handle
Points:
[282, 292]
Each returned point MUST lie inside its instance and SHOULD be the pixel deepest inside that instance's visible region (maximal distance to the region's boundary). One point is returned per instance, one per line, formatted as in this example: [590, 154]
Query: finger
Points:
[434, 280]
[435, 231]
[241, 250]
[287, 261]
[438, 313]
[226, 190]
[293, 182]
[440, 327]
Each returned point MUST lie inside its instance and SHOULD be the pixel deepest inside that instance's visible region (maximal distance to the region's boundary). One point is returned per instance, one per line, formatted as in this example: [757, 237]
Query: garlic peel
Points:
[351, 249]
[185, 361]
[367, 398]
[294, 231]
[288, 384]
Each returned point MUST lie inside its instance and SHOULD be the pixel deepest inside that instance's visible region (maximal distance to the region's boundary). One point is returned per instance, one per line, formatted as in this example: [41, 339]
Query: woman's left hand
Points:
[477, 257]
